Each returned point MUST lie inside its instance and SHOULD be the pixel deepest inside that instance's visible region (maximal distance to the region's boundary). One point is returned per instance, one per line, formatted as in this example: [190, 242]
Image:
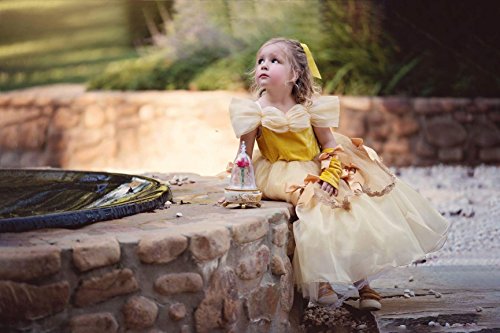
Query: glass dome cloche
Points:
[242, 190]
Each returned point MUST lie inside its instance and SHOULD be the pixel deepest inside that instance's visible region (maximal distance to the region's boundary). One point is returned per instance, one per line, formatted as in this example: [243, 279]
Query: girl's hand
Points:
[329, 189]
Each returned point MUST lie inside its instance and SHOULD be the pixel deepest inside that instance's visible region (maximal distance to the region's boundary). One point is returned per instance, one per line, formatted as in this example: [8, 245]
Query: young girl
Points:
[355, 218]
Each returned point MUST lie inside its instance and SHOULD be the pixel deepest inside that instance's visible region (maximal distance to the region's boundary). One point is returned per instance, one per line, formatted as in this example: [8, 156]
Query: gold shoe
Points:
[369, 299]
[326, 295]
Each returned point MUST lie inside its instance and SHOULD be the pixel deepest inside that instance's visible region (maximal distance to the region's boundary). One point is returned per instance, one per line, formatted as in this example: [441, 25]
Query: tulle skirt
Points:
[375, 223]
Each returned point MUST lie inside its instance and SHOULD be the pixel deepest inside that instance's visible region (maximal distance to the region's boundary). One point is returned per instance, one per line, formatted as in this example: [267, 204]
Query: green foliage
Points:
[154, 72]
[59, 41]
[361, 47]
[230, 73]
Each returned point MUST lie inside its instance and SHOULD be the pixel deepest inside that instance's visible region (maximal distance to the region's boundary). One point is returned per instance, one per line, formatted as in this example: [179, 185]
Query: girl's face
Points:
[273, 70]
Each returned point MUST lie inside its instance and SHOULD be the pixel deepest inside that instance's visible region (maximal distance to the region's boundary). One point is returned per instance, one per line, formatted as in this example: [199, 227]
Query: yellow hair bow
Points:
[310, 61]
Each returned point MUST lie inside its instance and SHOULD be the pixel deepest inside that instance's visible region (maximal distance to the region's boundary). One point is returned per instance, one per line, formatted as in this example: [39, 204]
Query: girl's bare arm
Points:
[249, 139]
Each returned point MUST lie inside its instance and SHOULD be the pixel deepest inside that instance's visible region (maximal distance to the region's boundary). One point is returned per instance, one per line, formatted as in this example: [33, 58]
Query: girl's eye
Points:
[260, 61]
[275, 61]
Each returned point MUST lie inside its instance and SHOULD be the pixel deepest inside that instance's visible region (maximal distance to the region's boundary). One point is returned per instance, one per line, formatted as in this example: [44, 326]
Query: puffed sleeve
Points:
[245, 115]
[325, 111]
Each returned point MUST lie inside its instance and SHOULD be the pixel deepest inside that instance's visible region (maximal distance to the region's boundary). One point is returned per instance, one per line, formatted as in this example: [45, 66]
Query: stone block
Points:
[177, 311]
[101, 288]
[394, 105]
[425, 105]
[177, 283]
[33, 134]
[406, 126]
[255, 265]
[4, 99]
[10, 159]
[161, 249]
[444, 132]
[494, 116]
[484, 134]
[352, 124]
[262, 303]
[33, 159]
[379, 132]
[221, 307]
[210, 244]
[94, 116]
[29, 263]
[96, 252]
[287, 290]
[21, 301]
[424, 149]
[139, 312]
[103, 322]
[401, 146]
[13, 116]
[20, 100]
[9, 137]
[450, 154]
[490, 155]
[487, 104]
[280, 234]
[249, 229]
[463, 116]
[66, 118]
[43, 100]
[355, 103]
[277, 265]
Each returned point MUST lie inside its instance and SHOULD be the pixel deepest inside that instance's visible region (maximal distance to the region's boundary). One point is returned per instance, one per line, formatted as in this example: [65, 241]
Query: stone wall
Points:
[211, 270]
[64, 126]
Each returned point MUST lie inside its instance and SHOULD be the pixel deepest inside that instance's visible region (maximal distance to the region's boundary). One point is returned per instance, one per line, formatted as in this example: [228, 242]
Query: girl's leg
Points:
[326, 294]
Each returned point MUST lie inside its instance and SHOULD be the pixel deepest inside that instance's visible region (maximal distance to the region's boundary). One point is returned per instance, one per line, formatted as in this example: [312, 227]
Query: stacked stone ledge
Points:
[93, 130]
[217, 277]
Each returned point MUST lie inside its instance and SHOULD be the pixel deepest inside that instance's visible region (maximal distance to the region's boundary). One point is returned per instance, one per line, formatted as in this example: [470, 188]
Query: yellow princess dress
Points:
[375, 222]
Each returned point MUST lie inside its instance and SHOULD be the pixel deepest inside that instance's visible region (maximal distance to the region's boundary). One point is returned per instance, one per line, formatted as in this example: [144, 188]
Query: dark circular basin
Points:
[35, 199]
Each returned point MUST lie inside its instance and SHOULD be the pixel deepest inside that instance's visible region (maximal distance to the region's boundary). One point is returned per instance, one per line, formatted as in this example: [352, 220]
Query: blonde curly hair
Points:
[304, 88]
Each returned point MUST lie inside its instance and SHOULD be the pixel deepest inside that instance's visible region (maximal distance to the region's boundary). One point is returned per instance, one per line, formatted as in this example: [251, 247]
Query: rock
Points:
[221, 306]
[394, 105]
[401, 146]
[485, 134]
[444, 132]
[262, 302]
[96, 252]
[406, 126]
[424, 149]
[287, 288]
[489, 155]
[450, 154]
[249, 229]
[21, 301]
[254, 266]
[103, 322]
[94, 116]
[98, 289]
[176, 283]
[280, 234]
[139, 312]
[277, 265]
[65, 118]
[177, 311]
[34, 134]
[178, 215]
[161, 248]
[210, 244]
[28, 263]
